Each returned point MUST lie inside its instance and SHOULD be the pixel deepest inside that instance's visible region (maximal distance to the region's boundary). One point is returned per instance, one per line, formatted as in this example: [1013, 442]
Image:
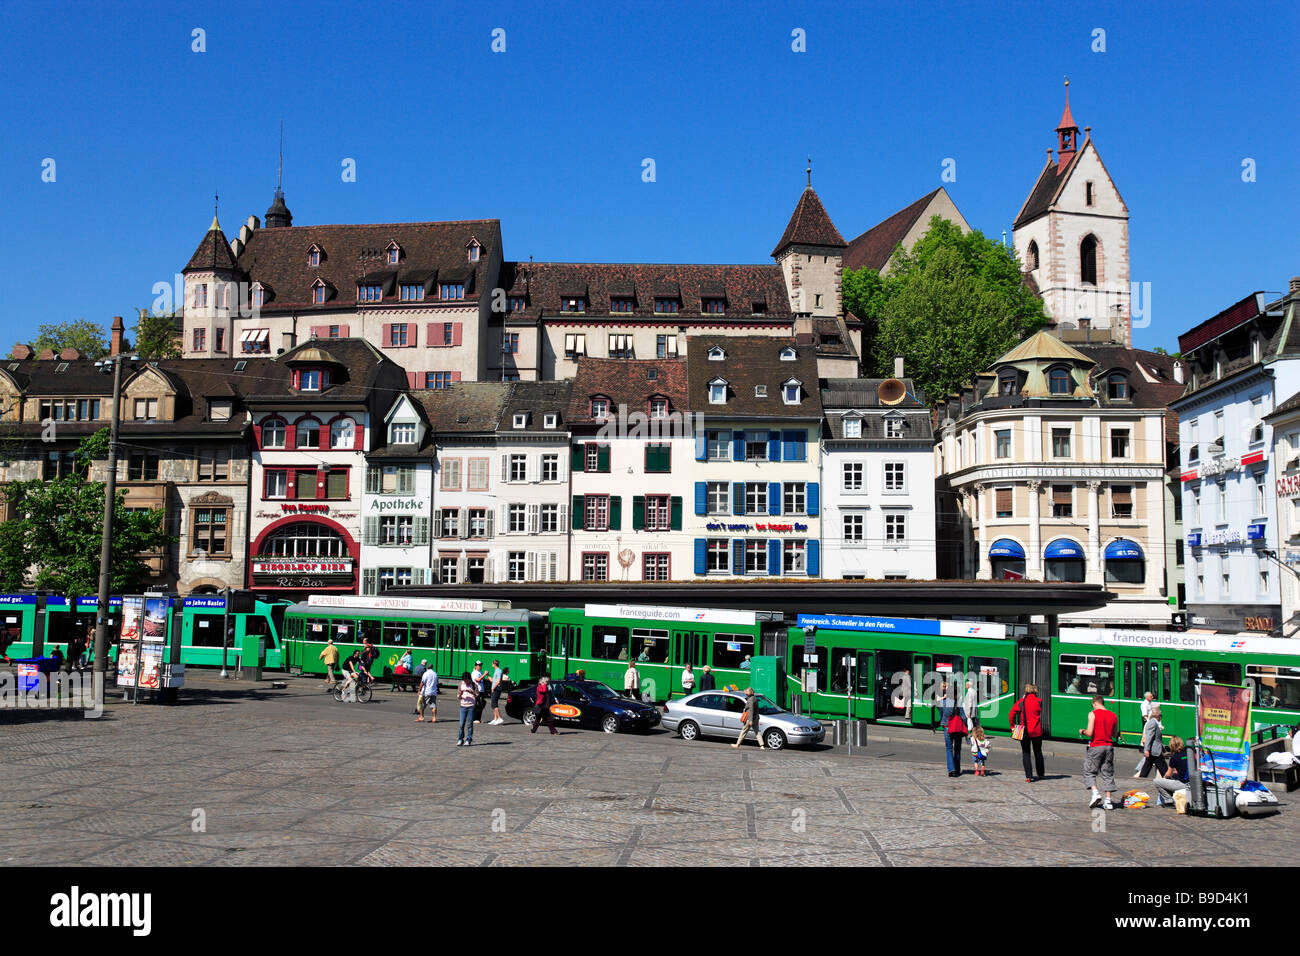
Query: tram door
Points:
[925, 688]
[1137, 676]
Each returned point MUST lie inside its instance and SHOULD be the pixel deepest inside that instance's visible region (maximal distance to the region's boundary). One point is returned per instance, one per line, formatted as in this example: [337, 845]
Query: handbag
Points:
[956, 726]
[1018, 731]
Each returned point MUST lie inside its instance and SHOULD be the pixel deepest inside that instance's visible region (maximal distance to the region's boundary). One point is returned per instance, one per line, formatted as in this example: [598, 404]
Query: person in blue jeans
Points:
[952, 743]
[467, 695]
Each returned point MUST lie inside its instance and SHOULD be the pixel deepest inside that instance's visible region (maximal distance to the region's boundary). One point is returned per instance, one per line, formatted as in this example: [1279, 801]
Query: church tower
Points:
[1071, 236]
[811, 257]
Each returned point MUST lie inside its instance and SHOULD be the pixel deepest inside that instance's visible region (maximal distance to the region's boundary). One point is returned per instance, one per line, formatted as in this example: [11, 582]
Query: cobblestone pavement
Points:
[241, 774]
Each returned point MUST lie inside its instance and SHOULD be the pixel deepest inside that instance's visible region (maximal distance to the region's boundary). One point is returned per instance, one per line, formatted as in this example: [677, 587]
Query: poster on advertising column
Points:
[1223, 717]
[128, 648]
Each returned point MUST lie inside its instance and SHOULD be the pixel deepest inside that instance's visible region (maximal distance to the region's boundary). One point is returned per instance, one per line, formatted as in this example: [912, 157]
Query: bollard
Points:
[859, 733]
[839, 732]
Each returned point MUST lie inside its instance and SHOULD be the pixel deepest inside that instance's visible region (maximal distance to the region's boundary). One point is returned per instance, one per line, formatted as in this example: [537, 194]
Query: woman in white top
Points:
[632, 682]
[688, 680]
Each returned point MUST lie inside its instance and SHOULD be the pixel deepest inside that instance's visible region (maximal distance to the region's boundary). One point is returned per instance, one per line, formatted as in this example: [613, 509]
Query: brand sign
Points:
[1255, 532]
[295, 509]
[1223, 714]
[1194, 540]
[683, 614]
[903, 625]
[395, 603]
[1077, 472]
[795, 528]
[565, 710]
[1116, 637]
[397, 504]
[295, 566]
[1288, 486]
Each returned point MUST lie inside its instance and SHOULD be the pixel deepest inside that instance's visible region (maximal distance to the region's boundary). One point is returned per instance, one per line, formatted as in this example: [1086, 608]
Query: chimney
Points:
[21, 351]
[69, 355]
[1295, 284]
[1179, 376]
[115, 346]
[898, 366]
[47, 355]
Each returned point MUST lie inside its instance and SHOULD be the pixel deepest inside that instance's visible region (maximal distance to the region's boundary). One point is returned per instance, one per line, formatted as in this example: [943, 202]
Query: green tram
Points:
[450, 634]
[1123, 665]
[201, 617]
[601, 639]
[891, 670]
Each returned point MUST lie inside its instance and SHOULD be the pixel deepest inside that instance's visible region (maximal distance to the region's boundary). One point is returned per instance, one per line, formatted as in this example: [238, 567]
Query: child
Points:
[979, 750]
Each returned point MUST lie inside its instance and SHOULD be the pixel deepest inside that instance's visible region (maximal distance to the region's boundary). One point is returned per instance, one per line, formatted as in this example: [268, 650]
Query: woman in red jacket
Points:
[1028, 710]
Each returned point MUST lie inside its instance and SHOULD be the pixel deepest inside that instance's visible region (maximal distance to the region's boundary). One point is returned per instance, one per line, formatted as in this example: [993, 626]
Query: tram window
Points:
[344, 631]
[369, 630]
[394, 633]
[422, 635]
[207, 631]
[257, 626]
[818, 664]
[992, 676]
[609, 643]
[840, 663]
[1274, 686]
[1085, 674]
[1190, 673]
[732, 650]
[318, 629]
[1128, 680]
[948, 667]
[1168, 683]
[650, 646]
[498, 637]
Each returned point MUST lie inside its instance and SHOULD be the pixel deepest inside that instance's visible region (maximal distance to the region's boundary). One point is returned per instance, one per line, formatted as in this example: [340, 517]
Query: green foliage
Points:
[155, 336]
[86, 337]
[950, 306]
[53, 539]
[1163, 351]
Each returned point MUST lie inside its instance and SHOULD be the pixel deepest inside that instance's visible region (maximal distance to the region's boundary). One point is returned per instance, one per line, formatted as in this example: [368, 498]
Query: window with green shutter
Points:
[658, 459]
[576, 513]
[602, 458]
[615, 511]
[638, 512]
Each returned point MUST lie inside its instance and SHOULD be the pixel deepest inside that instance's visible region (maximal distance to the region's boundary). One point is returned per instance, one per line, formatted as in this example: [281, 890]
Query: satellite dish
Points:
[892, 391]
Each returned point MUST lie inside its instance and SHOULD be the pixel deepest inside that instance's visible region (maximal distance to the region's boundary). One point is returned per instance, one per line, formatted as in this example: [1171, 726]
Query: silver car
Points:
[716, 713]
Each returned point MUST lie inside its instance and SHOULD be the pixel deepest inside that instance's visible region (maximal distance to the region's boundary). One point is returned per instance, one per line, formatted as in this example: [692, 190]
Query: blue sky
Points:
[549, 136]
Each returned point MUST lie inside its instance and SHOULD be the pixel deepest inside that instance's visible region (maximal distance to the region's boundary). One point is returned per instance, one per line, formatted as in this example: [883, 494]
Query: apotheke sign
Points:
[397, 504]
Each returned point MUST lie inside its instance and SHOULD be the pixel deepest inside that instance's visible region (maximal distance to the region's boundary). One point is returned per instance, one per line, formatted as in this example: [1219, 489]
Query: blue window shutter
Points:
[814, 559]
[701, 557]
[737, 497]
[795, 445]
[774, 446]
[814, 497]
[774, 497]
[701, 447]
[701, 498]
[774, 557]
[787, 441]
[737, 555]
[738, 446]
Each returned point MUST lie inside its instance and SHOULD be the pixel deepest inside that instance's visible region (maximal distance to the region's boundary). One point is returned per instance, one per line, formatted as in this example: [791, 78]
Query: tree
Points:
[53, 539]
[950, 305]
[86, 337]
[155, 336]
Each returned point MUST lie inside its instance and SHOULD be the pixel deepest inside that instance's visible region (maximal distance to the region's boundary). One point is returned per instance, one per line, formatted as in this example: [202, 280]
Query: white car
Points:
[716, 713]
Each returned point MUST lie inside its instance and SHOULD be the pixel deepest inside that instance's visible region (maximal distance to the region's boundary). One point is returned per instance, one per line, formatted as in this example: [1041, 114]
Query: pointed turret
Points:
[811, 256]
[809, 226]
[213, 253]
[1067, 135]
[278, 215]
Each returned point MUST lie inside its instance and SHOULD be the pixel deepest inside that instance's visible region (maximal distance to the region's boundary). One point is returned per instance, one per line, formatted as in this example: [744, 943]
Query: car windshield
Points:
[598, 691]
[765, 706]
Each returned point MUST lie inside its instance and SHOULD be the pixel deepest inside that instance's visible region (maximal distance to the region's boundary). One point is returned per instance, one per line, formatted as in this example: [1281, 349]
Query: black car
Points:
[597, 705]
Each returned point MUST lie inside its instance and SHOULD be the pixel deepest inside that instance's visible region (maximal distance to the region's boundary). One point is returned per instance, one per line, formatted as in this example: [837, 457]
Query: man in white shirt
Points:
[1148, 701]
[969, 703]
[476, 676]
[428, 695]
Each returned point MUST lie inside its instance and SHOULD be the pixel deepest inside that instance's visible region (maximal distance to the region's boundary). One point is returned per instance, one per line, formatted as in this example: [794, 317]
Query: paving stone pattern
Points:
[291, 777]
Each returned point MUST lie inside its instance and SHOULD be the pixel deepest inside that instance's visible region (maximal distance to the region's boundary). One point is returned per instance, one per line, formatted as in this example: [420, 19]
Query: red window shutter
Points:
[455, 376]
[433, 334]
[359, 436]
[413, 334]
[318, 331]
[388, 335]
[455, 332]
[257, 436]
[290, 436]
[343, 332]
[412, 379]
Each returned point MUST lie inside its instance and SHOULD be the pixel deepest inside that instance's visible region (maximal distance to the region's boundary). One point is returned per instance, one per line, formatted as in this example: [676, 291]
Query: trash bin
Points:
[859, 733]
[839, 732]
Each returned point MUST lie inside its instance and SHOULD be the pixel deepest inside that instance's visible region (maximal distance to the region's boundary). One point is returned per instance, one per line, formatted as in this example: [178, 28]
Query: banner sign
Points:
[903, 625]
[1223, 716]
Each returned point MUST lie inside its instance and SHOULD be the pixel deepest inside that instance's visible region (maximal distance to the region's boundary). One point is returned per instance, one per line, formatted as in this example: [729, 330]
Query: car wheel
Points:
[688, 730]
[609, 724]
[530, 716]
[774, 739]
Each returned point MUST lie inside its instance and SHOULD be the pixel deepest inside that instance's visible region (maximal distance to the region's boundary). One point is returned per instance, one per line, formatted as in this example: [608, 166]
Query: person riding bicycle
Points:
[353, 670]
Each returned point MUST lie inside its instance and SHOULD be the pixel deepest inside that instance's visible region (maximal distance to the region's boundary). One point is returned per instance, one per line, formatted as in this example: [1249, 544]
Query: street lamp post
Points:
[106, 542]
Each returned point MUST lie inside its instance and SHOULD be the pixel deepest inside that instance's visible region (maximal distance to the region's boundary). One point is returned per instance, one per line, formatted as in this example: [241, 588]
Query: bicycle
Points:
[361, 691]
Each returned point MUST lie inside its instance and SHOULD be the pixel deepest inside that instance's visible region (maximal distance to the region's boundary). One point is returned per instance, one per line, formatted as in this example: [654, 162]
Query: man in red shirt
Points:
[1100, 756]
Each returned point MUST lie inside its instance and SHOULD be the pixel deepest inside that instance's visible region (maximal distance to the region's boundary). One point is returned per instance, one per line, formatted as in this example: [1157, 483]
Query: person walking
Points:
[970, 704]
[1148, 701]
[1153, 745]
[749, 720]
[499, 678]
[1027, 720]
[330, 655]
[632, 682]
[979, 750]
[706, 679]
[1100, 756]
[544, 699]
[428, 695]
[466, 694]
[952, 718]
[476, 676]
[688, 681]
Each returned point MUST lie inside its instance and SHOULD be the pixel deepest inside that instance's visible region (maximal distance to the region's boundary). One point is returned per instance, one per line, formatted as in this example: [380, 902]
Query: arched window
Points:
[1063, 560]
[305, 540]
[273, 430]
[1117, 386]
[308, 433]
[343, 433]
[1031, 256]
[1058, 381]
[1088, 260]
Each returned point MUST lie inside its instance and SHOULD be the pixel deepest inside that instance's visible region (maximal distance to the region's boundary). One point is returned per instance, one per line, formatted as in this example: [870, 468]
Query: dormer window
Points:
[319, 291]
[369, 293]
[394, 253]
[314, 256]
[259, 295]
[1117, 387]
[1256, 348]
[573, 303]
[551, 420]
[894, 427]
[1007, 381]
[451, 290]
[620, 304]
[716, 354]
[658, 408]
[220, 410]
[667, 306]
[713, 306]
[402, 433]
[718, 391]
[412, 292]
[1058, 381]
[652, 375]
[792, 392]
[472, 250]
[599, 407]
[520, 420]
[853, 427]
[311, 379]
[517, 303]
[788, 354]
[758, 307]
[760, 391]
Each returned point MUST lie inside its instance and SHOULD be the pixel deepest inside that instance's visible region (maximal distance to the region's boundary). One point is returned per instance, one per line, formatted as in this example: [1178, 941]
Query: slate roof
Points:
[832, 338]
[1290, 405]
[465, 407]
[627, 382]
[1141, 367]
[841, 395]
[752, 360]
[213, 252]
[875, 247]
[1043, 196]
[809, 225]
[1042, 345]
[360, 371]
[545, 284]
[538, 399]
[431, 252]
